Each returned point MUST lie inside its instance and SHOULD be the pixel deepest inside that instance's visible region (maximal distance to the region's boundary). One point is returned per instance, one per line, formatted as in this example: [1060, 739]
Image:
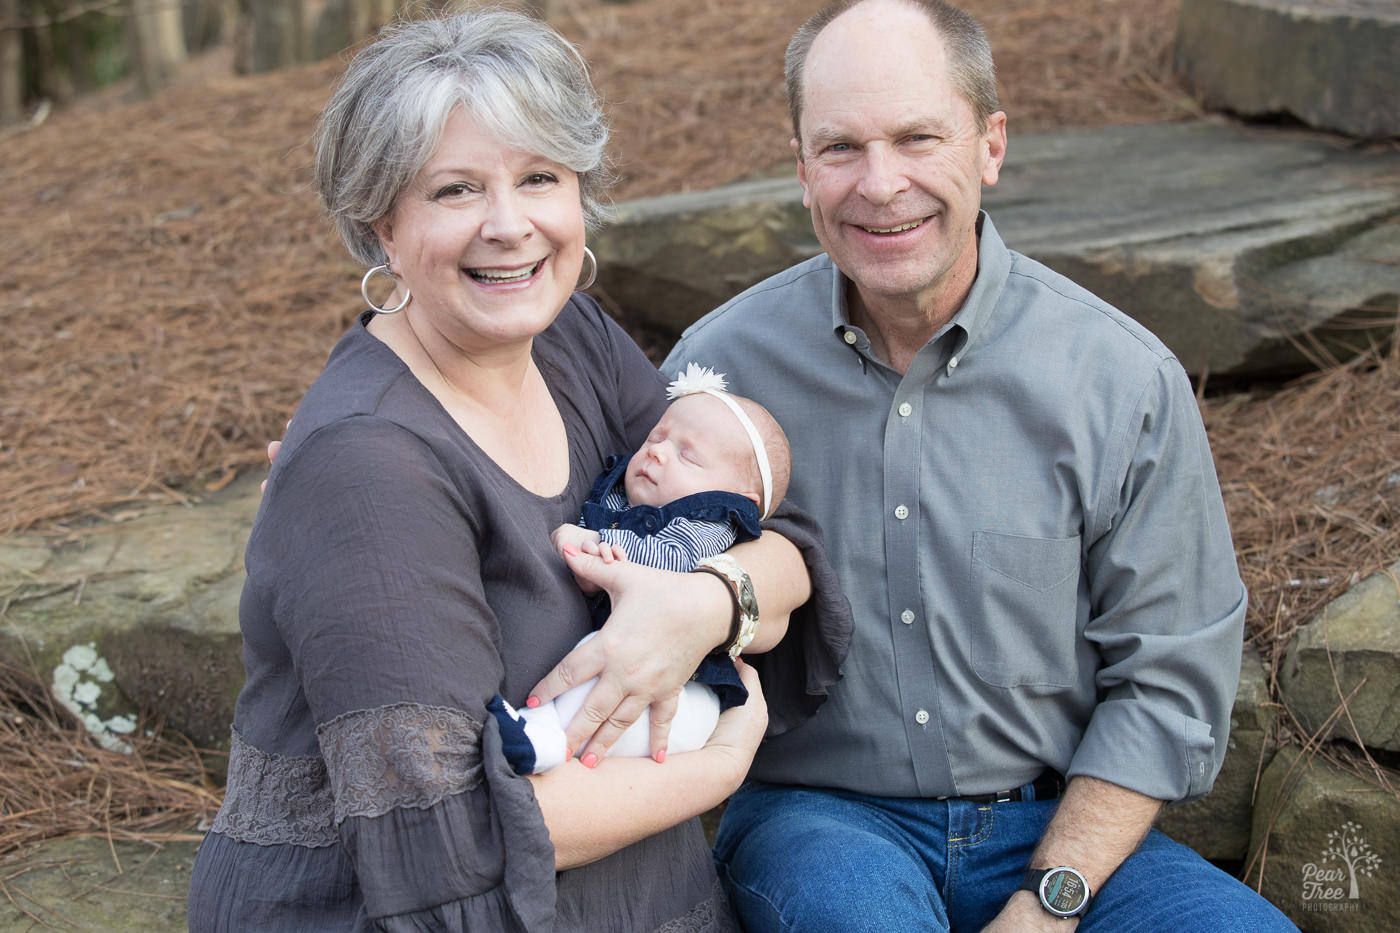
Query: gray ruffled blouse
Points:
[397, 580]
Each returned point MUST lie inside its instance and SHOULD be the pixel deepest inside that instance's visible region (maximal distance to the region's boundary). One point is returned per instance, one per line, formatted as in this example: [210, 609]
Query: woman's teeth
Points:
[502, 276]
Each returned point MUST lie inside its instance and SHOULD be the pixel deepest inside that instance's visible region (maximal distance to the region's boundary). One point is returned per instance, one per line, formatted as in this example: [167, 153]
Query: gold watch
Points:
[745, 624]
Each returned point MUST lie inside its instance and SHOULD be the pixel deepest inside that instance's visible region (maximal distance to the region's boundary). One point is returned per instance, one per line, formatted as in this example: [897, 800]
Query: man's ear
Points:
[994, 138]
[796, 145]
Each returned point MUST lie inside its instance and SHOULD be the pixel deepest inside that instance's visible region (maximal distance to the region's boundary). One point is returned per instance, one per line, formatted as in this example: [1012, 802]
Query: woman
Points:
[400, 571]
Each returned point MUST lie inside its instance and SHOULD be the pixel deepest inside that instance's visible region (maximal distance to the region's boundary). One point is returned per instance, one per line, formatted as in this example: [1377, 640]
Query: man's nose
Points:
[883, 176]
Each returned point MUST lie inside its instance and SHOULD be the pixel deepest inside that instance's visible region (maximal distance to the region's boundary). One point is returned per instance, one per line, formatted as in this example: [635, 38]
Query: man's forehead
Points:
[859, 61]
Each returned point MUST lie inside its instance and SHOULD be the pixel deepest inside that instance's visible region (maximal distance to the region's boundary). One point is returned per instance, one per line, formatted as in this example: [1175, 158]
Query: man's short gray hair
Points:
[969, 56]
[515, 75]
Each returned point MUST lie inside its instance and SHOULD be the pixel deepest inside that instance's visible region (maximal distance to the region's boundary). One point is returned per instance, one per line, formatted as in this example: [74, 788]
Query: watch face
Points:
[1063, 891]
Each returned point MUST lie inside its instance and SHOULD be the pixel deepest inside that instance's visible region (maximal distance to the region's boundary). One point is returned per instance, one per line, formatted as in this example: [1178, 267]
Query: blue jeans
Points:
[796, 858]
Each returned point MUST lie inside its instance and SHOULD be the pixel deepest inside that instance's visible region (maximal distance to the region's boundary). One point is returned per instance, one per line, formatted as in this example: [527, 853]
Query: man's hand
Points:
[1023, 914]
[272, 448]
[662, 624]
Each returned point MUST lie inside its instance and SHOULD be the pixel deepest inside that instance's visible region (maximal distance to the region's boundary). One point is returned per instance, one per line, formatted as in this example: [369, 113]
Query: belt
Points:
[1048, 786]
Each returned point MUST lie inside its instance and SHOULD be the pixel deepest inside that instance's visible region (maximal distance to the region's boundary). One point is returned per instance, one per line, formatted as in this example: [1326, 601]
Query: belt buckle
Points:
[1003, 796]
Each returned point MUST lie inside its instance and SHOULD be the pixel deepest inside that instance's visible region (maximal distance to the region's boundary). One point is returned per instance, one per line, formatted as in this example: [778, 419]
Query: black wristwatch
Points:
[1062, 891]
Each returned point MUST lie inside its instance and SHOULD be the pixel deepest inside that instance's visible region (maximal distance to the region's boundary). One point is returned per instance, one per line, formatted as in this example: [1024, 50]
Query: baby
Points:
[709, 471]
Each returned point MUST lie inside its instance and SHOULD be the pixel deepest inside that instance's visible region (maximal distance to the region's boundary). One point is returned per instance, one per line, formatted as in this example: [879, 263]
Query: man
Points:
[1017, 492]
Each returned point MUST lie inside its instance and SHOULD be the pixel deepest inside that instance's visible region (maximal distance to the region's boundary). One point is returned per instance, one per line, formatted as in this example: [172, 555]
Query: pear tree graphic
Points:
[1345, 845]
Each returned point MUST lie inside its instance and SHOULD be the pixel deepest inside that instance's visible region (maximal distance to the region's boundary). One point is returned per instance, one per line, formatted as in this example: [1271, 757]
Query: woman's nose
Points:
[506, 220]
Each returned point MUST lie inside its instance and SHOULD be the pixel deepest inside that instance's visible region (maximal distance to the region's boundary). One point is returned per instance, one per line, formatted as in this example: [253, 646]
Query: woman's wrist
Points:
[714, 611]
[743, 623]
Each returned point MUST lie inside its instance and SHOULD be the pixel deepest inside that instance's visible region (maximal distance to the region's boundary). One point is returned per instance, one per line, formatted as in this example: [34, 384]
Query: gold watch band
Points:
[745, 623]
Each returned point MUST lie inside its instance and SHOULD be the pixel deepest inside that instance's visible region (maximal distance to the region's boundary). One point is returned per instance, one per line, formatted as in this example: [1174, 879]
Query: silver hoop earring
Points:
[592, 274]
[364, 291]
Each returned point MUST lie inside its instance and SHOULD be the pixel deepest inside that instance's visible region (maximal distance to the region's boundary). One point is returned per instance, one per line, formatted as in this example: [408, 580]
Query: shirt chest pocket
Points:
[1028, 590]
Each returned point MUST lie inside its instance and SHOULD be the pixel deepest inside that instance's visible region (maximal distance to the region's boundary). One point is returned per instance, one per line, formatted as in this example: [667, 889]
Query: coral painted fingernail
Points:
[589, 760]
[570, 550]
[532, 702]
[661, 757]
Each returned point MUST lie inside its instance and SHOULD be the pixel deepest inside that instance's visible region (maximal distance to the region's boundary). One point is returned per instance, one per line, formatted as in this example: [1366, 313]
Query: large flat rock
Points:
[1231, 243]
[138, 612]
[1332, 64]
[98, 887]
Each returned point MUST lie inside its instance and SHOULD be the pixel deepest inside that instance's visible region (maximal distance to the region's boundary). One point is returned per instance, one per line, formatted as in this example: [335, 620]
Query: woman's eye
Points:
[539, 178]
[457, 189]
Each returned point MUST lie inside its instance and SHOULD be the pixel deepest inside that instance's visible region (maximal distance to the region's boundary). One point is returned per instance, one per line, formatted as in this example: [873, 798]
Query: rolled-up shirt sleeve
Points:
[1167, 605]
[381, 606]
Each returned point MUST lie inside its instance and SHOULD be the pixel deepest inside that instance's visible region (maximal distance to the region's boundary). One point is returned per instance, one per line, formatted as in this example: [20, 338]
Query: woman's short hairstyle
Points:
[515, 75]
[969, 56]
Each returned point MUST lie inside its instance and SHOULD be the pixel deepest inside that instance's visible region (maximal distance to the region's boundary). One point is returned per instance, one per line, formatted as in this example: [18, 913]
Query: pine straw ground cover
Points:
[169, 289]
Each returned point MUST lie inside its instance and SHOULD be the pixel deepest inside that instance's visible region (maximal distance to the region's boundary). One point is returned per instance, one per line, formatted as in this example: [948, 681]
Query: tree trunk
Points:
[157, 42]
[11, 66]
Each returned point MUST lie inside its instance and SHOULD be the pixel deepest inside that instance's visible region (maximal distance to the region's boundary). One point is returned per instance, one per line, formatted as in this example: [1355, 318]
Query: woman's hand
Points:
[741, 728]
[593, 813]
[662, 624]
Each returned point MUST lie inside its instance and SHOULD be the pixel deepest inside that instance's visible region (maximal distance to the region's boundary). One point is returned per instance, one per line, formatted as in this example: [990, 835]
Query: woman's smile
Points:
[506, 275]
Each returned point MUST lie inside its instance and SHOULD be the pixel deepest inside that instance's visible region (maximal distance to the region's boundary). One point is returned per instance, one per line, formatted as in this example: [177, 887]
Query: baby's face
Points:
[698, 445]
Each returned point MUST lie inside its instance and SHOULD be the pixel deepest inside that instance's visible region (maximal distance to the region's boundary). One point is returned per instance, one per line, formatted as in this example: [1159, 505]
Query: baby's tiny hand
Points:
[608, 552]
[578, 536]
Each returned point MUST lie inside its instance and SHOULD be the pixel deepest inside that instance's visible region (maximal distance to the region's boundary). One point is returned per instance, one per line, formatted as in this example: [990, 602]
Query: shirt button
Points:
[901, 512]
[905, 409]
[907, 617]
[952, 364]
[921, 717]
[849, 336]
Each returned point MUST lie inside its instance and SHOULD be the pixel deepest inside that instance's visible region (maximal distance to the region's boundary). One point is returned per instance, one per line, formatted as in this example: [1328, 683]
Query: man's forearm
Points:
[1096, 826]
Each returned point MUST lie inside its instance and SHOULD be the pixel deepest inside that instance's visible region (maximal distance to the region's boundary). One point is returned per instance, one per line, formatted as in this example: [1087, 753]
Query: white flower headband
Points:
[699, 379]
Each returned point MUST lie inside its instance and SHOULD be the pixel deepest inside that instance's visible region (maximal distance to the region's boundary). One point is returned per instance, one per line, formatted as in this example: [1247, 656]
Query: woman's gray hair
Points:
[970, 63]
[515, 75]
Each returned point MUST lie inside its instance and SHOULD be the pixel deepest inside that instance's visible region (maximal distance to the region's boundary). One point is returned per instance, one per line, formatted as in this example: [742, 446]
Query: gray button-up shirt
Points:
[1028, 526]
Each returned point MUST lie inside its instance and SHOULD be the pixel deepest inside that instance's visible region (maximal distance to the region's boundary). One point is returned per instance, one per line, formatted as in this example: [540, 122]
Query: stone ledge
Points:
[1229, 243]
[89, 884]
[1333, 64]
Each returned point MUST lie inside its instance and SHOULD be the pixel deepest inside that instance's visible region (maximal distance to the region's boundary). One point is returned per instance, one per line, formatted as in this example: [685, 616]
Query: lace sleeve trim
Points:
[275, 799]
[404, 755]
